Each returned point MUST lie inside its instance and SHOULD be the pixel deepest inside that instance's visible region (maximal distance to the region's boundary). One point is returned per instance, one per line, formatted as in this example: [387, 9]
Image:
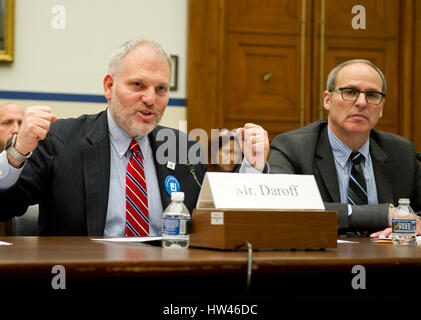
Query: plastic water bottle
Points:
[404, 225]
[176, 223]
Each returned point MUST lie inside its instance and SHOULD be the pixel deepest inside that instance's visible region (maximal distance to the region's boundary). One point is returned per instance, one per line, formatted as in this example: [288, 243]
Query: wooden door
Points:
[415, 82]
[247, 59]
[267, 61]
[263, 61]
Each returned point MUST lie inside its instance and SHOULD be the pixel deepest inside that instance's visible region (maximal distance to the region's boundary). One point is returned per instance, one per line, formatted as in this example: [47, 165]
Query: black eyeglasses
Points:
[352, 94]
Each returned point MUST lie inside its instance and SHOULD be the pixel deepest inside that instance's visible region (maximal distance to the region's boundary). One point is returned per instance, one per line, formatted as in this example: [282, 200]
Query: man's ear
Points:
[326, 100]
[381, 110]
[108, 85]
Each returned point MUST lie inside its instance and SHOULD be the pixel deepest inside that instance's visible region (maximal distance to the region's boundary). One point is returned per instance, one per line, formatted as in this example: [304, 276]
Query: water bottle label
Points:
[175, 226]
[404, 225]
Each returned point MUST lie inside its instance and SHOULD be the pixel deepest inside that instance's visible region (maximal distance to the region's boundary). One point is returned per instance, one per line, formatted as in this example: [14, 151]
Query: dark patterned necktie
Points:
[357, 190]
[137, 216]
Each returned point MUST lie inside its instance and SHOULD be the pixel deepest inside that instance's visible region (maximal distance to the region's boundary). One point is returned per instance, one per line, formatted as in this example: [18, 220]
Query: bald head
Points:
[11, 116]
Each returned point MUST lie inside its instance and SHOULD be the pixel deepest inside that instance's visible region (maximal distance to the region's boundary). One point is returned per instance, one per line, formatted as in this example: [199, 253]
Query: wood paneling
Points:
[246, 40]
[262, 74]
[416, 85]
[233, 44]
[6, 228]
[264, 16]
[204, 80]
[382, 18]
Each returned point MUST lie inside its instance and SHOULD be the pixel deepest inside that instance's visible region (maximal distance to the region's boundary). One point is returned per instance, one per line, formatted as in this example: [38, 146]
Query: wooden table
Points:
[102, 271]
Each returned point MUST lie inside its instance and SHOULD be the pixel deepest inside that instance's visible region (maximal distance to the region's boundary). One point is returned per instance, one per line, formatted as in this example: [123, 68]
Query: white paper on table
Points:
[346, 241]
[2, 243]
[128, 239]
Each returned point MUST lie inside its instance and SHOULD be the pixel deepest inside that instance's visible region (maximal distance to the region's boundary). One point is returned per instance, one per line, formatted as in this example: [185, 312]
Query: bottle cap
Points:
[177, 196]
[404, 200]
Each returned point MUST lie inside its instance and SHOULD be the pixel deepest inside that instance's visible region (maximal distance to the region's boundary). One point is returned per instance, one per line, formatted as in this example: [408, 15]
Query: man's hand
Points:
[387, 233]
[35, 125]
[254, 144]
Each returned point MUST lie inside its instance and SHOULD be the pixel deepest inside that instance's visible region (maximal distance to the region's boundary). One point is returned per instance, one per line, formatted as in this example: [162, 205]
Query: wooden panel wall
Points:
[248, 61]
[263, 64]
[257, 48]
[6, 228]
[205, 53]
[415, 115]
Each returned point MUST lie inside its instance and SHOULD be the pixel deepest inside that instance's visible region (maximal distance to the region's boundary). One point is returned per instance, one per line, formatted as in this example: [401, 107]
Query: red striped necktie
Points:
[137, 215]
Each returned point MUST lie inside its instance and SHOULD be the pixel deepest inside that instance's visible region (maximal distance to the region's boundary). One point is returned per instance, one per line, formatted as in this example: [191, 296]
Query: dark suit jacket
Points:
[68, 174]
[397, 172]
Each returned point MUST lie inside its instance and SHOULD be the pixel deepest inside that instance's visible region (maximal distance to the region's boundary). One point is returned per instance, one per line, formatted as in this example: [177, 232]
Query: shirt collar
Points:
[341, 151]
[120, 139]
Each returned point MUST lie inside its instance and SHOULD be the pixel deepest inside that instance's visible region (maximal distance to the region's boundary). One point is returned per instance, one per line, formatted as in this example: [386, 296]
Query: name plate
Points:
[259, 191]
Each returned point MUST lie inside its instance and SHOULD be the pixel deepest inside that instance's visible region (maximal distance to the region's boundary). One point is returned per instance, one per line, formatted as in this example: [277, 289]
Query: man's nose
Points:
[15, 128]
[361, 99]
[148, 96]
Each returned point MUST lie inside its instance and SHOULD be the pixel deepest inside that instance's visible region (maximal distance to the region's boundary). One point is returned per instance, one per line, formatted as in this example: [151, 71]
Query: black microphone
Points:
[418, 156]
[190, 167]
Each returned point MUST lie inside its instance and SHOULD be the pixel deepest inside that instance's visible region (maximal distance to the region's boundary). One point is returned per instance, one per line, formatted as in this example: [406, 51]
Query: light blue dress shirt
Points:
[120, 157]
[343, 164]
[8, 174]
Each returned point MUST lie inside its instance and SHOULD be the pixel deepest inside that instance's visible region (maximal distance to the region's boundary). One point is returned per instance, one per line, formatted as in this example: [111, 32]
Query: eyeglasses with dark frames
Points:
[352, 94]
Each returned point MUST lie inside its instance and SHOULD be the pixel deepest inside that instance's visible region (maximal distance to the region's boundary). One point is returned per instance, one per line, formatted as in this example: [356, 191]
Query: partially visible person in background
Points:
[11, 116]
[224, 153]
